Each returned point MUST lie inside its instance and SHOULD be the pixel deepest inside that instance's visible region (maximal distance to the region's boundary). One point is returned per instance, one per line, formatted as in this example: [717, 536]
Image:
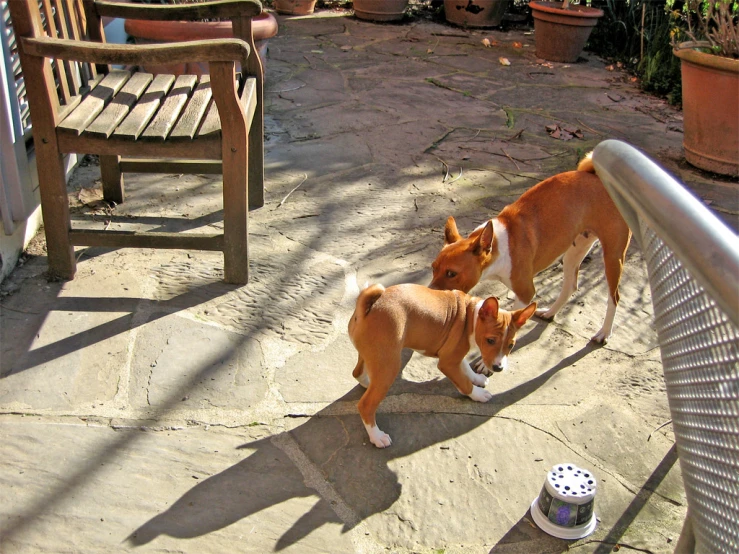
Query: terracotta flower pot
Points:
[710, 87]
[475, 13]
[380, 10]
[560, 35]
[295, 7]
[264, 27]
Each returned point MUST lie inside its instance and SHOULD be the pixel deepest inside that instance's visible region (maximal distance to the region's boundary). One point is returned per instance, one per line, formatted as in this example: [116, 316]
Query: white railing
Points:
[16, 194]
[693, 265]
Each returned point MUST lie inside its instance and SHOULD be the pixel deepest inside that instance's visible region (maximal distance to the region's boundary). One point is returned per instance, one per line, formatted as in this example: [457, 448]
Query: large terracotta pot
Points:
[710, 87]
[475, 13]
[560, 35]
[380, 10]
[295, 7]
[264, 27]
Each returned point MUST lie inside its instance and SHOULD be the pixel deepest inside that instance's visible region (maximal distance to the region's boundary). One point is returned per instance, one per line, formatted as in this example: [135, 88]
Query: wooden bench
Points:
[136, 121]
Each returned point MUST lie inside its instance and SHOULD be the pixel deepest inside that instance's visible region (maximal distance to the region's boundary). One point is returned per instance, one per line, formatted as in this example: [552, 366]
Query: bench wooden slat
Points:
[189, 123]
[139, 239]
[174, 165]
[120, 105]
[77, 121]
[212, 124]
[141, 114]
[164, 121]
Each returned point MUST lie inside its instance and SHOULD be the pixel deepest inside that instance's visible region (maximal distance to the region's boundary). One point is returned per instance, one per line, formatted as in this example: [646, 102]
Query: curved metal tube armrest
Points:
[217, 50]
[705, 246]
[216, 9]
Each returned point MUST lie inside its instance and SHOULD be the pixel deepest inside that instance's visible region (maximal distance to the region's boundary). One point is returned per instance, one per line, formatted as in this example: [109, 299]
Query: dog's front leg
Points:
[477, 378]
[459, 376]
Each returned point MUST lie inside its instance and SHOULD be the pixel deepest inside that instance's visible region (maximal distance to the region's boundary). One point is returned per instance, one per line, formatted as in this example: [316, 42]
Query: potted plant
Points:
[380, 10]
[561, 29]
[709, 64]
[475, 13]
[295, 7]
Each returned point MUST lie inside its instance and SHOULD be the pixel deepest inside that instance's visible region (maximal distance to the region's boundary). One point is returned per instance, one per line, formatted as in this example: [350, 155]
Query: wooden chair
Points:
[80, 105]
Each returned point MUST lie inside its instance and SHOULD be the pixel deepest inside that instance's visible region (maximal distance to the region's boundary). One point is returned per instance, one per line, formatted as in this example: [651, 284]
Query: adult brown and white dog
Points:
[562, 215]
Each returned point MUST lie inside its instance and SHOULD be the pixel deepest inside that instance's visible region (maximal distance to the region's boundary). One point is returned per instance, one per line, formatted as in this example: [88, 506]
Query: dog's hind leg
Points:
[360, 374]
[613, 259]
[570, 267]
[388, 367]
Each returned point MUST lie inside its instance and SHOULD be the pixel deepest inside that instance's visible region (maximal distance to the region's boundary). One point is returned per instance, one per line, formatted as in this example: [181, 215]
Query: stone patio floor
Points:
[145, 406]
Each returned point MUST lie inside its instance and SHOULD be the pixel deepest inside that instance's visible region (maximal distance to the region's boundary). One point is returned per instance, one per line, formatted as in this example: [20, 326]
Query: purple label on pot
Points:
[562, 513]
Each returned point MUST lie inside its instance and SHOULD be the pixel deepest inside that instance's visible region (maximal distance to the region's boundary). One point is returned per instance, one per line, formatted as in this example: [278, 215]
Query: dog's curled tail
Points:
[586, 164]
[367, 299]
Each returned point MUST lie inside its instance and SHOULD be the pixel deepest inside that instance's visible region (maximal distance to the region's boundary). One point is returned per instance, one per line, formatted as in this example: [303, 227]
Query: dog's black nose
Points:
[497, 368]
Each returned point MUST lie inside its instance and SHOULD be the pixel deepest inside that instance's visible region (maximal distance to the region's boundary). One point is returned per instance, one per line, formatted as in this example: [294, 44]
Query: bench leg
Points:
[235, 217]
[256, 158]
[236, 214]
[55, 211]
[110, 173]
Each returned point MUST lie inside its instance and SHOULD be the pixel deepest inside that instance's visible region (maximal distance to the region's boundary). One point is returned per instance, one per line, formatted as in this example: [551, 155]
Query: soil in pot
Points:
[560, 35]
[475, 13]
[380, 10]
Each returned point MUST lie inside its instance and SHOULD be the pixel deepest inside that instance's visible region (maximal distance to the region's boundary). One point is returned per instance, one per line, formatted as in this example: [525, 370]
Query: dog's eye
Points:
[510, 346]
[491, 341]
[451, 274]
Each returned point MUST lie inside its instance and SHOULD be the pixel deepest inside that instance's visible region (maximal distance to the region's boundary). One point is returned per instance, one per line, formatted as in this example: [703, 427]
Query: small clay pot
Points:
[295, 7]
[380, 10]
[559, 34]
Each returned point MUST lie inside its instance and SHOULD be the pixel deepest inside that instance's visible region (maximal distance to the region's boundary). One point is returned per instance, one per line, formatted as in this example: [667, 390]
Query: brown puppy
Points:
[564, 214]
[439, 324]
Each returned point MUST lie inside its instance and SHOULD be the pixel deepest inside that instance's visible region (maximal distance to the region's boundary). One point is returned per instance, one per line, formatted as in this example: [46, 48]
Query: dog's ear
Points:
[450, 231]
[489, 309]
[484, 242]
[521, 316]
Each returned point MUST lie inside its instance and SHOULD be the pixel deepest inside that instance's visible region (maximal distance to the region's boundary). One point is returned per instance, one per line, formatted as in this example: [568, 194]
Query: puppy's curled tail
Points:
[586, 164]
[367, 299]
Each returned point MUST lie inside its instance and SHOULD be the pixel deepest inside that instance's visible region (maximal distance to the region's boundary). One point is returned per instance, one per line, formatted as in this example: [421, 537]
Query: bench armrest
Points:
[218, 50]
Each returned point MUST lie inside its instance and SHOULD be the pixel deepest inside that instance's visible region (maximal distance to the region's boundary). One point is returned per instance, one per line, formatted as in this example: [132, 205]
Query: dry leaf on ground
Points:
[563, 133]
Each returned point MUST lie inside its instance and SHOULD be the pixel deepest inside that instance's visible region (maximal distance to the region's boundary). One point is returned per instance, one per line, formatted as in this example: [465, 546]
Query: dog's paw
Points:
[479, 380]
[479, 395]
[601, 337]
[379, 438]
[478, 366]
[546, 315]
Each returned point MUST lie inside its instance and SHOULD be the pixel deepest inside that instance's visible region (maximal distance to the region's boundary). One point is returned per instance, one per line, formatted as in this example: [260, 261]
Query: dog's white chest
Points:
[501, 268]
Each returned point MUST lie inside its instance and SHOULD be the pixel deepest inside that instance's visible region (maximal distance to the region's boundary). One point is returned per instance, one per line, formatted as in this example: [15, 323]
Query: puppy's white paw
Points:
[377, 437]
[479, 380]
[479, 395]
[546, 315]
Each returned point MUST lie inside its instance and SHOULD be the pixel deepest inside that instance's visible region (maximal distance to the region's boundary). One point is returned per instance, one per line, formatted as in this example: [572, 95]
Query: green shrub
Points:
[637, 33]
